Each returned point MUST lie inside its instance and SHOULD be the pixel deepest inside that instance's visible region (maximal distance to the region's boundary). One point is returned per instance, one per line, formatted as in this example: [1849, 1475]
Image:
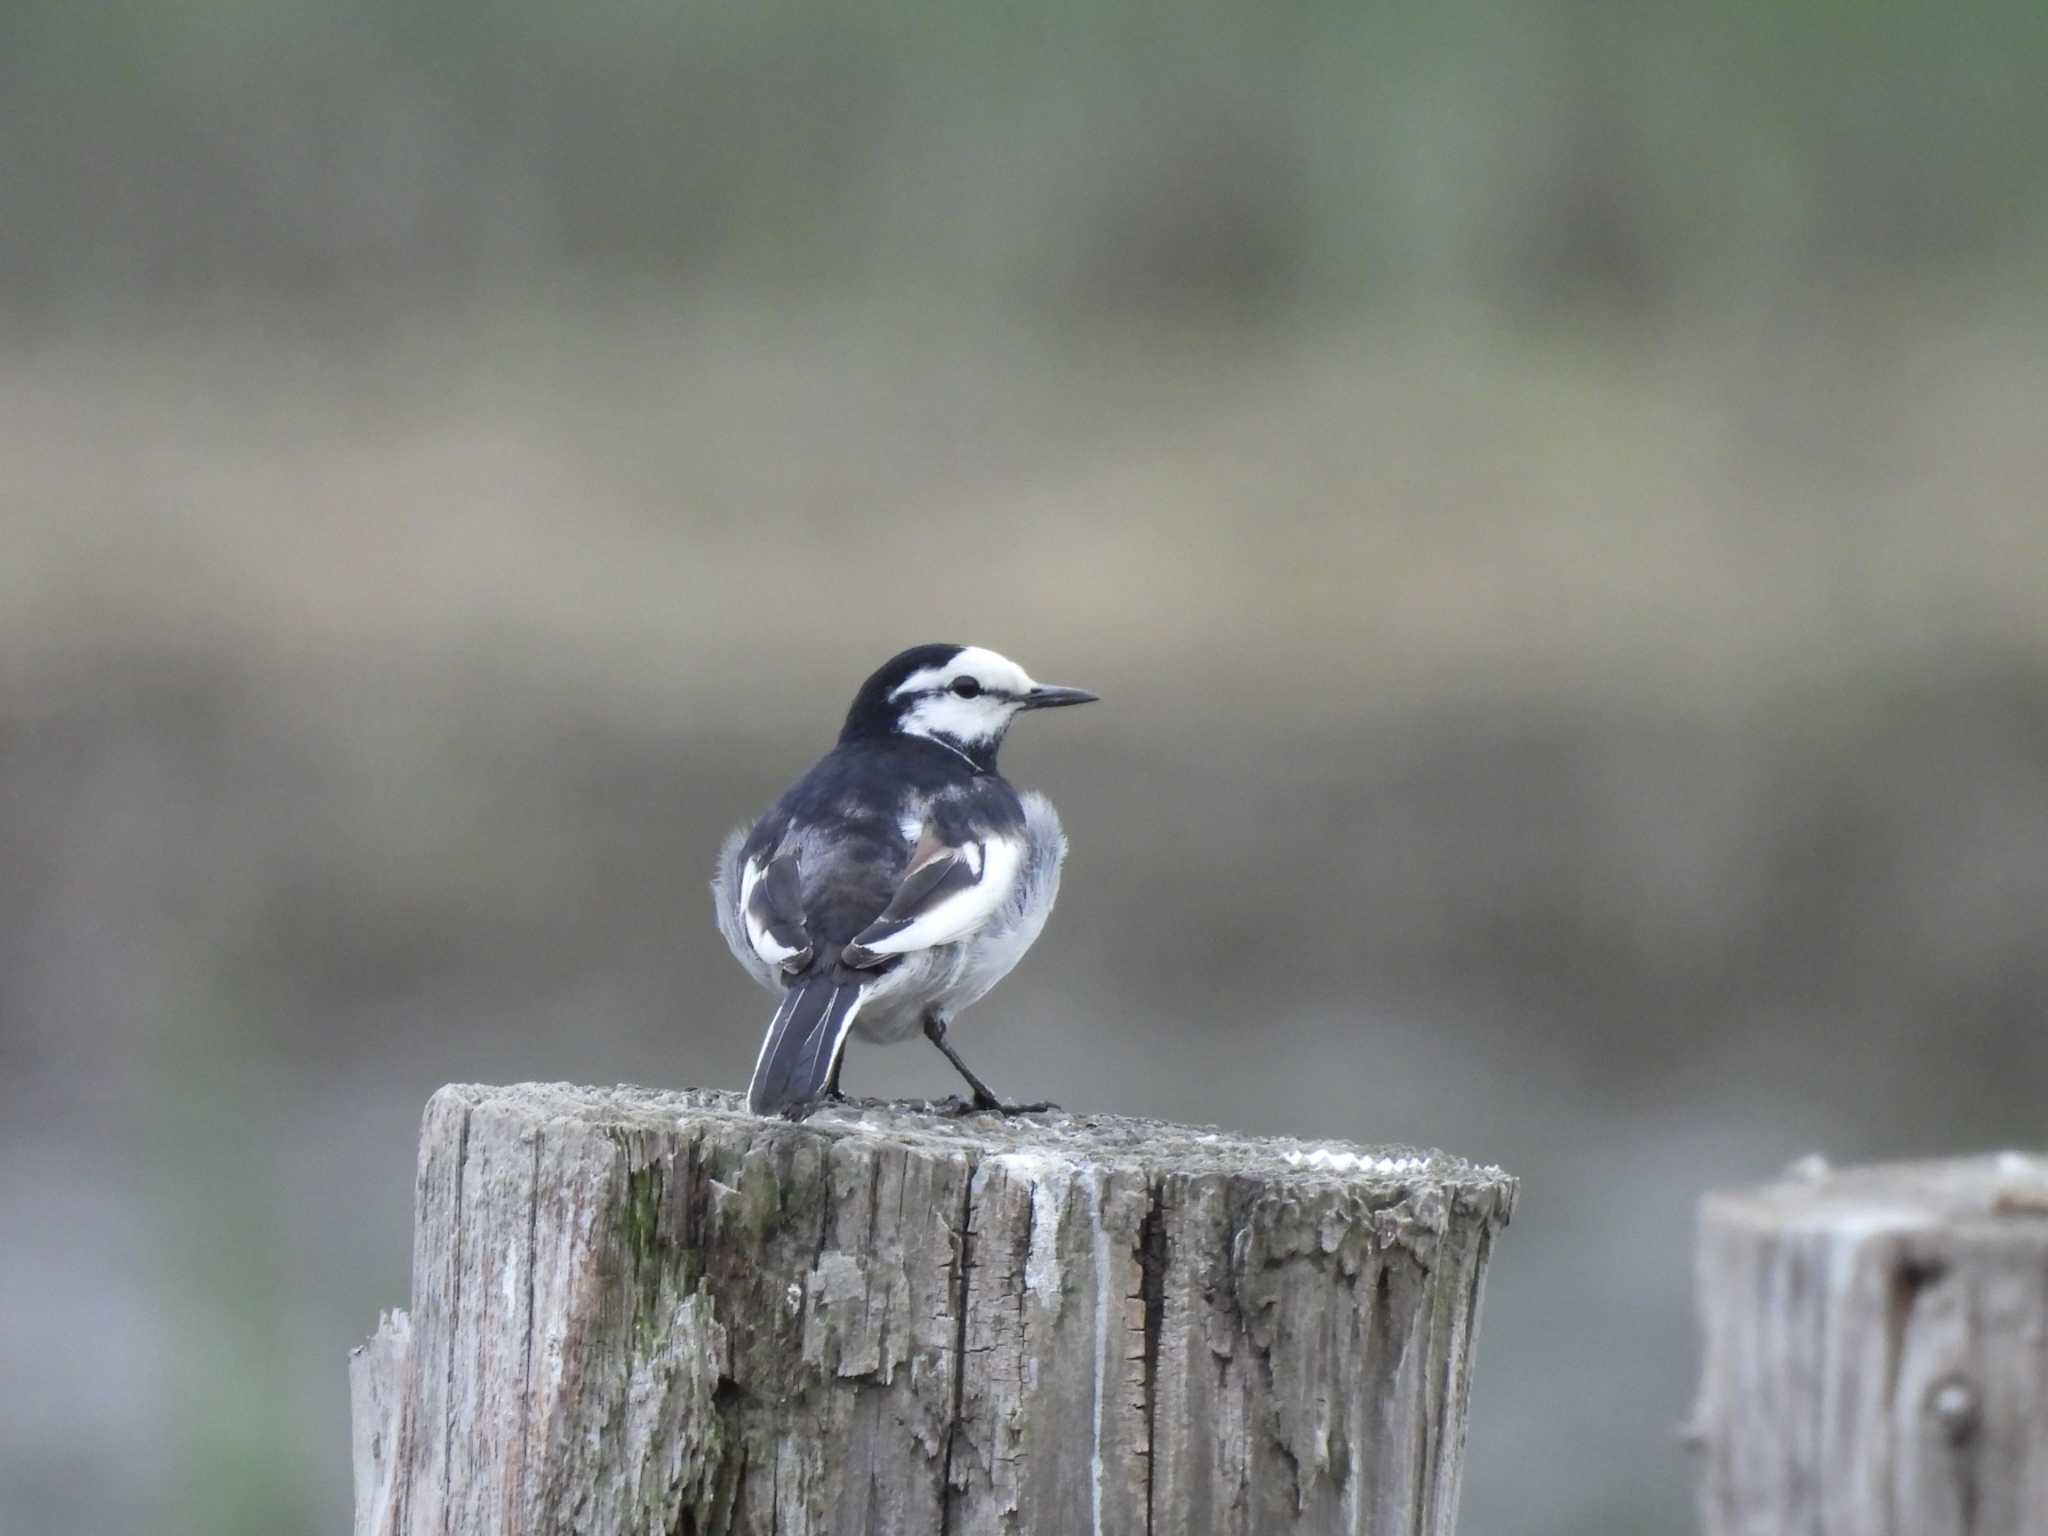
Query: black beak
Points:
[1054, 698]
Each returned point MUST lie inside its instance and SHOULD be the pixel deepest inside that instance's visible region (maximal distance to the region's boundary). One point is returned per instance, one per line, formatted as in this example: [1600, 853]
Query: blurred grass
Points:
[1580, 509]
[1210, 159]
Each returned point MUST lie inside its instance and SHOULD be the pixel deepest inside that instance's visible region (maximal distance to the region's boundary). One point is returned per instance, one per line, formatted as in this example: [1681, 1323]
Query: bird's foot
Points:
[984, 1100]
[955, 1108]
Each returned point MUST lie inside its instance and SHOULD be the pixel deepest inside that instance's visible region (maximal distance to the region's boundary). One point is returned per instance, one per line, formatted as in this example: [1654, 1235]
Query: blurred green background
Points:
[1552, 496]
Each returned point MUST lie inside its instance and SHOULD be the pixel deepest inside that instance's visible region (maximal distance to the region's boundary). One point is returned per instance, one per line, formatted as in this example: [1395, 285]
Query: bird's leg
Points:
[832, 1092]
[984, 1098]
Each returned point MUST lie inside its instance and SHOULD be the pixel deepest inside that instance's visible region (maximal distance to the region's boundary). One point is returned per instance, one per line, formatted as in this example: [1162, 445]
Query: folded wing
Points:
[759, 904]
[772, 908]
[947, 892]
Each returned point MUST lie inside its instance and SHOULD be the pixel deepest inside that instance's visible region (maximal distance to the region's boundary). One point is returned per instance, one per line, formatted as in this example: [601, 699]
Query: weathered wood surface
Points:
[1876, 1356]
[644, 1312]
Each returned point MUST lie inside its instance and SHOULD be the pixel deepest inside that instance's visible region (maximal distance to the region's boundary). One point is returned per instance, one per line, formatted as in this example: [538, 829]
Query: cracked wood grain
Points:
[637, 1312]
[1876, 1352]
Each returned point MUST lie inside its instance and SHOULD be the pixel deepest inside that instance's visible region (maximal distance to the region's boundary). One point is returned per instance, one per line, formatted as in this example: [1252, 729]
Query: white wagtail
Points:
[899, 879]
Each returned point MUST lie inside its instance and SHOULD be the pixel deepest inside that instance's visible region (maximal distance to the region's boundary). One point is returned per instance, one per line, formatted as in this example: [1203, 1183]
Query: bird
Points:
[899, 879]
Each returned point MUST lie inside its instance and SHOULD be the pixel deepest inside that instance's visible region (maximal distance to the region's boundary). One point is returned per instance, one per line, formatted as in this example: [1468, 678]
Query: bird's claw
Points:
[956, 1108]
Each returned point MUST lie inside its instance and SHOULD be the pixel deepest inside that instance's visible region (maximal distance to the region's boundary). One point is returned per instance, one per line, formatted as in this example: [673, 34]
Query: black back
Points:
[861, 790]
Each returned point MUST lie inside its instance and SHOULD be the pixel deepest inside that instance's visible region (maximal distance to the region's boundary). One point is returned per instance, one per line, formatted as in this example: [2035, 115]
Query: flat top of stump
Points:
[1996, 1187]
[1113, 1142]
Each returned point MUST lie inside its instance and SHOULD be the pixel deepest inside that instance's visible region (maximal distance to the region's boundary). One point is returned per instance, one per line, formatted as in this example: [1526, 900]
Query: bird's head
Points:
[961, 696]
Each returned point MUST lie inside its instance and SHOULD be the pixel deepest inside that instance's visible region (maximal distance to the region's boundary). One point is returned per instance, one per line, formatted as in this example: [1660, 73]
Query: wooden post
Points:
[645, 1312]
[1876, 1355]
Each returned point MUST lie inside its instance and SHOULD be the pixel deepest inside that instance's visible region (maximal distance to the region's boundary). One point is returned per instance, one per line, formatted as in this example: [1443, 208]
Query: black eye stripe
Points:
[967, 687]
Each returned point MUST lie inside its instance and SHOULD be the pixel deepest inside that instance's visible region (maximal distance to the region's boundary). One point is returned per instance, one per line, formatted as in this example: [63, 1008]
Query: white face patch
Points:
[971, 722]
[983, 665]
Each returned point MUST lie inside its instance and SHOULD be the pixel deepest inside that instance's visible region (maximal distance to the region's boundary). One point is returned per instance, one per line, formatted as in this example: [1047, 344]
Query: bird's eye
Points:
[967, 687]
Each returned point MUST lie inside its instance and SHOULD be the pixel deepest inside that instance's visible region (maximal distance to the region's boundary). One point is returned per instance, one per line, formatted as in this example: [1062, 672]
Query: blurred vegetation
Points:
[1072, 161]
[1551, 496]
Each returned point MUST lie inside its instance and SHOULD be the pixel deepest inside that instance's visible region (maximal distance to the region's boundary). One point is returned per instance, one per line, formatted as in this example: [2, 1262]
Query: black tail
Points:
[804, 1041]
